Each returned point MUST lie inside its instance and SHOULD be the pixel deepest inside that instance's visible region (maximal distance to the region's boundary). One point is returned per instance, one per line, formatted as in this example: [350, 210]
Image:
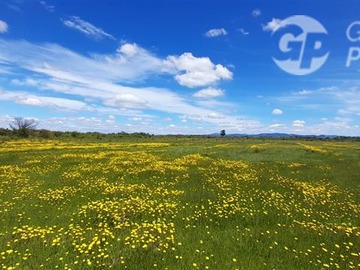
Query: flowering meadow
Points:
[179, 203]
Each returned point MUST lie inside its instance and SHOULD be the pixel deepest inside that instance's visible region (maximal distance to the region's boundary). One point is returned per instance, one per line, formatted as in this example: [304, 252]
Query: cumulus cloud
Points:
[3, 27]
[86, 28]
[135, 59]
[209, 93]
[129, 50]
[196, 71]
[216, 32]
[273, 25]
[277, 112]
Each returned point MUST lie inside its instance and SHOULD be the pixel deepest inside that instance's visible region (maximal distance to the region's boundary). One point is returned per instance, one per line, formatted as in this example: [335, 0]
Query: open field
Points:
[180, 203]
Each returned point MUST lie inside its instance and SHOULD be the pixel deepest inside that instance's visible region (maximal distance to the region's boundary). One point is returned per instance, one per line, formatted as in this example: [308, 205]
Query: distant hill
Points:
[279, 135]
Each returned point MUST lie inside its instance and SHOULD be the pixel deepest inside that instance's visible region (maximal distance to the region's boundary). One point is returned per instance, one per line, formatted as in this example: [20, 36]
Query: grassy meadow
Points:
[180, 203]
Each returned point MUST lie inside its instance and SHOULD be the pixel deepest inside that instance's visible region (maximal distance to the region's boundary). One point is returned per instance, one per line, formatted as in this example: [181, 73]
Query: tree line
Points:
[27, 128]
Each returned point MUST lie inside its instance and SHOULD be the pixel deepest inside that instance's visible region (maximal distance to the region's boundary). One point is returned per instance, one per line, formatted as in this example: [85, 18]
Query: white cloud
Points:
[277, 112]
[27, 82]
[97, 79]
[80, 124]
[48, 7]
[209, 93]
[256, 12]
[343, 119]
[215, 115]
[134, 61]
[130, 63]
[111, 119]
[43, 101]
[30, 101]
[298, 123]
[216, 32]
[127, 101]
[344, 100]
[128, 50]
[5, 120]
[333, 128]
[349, 100]
[304, 92]
[3, 27]
[53, 60]
[196, 71]
[277, 125]
[135, 118]
[225, 107]
[273, 25]
[243, 32]
[5, 70]
[14, 7]
[86, 28]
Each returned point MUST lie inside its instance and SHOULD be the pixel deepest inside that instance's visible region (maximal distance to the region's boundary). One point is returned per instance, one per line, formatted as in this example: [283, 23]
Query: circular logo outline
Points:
[307, 25]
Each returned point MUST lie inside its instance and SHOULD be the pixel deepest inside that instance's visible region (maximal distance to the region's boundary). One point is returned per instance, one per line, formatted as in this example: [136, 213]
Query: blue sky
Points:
[180, 67]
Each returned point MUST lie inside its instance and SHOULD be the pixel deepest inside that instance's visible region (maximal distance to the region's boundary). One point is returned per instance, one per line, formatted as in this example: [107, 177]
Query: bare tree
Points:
[23, 126]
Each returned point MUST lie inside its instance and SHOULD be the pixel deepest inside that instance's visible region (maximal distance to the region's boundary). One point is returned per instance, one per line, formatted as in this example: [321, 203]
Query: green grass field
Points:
[180, 203]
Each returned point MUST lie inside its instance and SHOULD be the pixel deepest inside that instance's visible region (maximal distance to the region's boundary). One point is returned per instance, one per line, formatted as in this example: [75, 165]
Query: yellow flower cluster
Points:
[54, 196]
[157, 235]
[312, 148]
[27, 232]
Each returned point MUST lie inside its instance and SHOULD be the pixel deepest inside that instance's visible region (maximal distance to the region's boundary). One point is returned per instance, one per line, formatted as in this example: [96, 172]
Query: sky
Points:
[182, 67]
